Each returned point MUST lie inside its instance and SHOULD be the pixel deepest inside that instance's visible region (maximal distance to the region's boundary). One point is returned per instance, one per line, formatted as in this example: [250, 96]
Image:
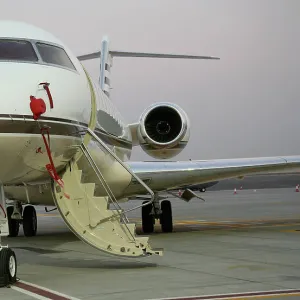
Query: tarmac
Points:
[262, 181]
[246, 245]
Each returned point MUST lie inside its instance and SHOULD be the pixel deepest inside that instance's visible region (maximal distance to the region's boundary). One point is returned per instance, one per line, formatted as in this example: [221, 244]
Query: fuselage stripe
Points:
[18, 124]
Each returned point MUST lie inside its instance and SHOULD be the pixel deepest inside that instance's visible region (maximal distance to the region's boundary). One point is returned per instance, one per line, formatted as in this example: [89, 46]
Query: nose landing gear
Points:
[8, 261]
[8, 266]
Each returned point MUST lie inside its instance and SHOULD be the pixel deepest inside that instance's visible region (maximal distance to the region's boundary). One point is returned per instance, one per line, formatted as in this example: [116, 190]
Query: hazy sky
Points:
[245, 105]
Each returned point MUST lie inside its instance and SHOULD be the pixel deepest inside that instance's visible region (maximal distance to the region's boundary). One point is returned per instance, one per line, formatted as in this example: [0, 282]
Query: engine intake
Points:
[164, 130]
[163, 124]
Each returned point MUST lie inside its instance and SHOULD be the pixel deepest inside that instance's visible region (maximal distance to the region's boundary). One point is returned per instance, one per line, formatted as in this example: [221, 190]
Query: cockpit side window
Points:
[17, 50]
[54, 55]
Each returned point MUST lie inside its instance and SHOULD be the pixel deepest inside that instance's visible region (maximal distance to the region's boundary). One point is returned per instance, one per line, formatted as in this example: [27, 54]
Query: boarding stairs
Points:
[88, 215]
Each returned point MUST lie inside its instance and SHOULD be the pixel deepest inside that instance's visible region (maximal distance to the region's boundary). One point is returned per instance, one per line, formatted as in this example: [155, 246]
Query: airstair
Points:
[89, 216]
[87, 189]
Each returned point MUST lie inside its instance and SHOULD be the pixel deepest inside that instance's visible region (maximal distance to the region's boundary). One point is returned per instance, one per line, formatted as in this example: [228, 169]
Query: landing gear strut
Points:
[156, 211]
[8, 261]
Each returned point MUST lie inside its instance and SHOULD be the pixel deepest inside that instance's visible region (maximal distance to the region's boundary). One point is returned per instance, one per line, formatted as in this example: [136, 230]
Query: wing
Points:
[161, 176]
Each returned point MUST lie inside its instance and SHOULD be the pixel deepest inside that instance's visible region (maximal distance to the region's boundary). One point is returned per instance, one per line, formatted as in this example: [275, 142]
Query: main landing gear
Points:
[153, 211]
[17, 216]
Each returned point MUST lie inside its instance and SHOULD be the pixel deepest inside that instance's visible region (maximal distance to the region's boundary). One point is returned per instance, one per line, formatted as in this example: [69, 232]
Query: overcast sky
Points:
[245, 105]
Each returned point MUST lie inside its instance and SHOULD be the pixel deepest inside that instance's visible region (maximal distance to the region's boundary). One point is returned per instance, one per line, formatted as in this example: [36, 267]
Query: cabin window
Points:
[17, 50]
[54, 55]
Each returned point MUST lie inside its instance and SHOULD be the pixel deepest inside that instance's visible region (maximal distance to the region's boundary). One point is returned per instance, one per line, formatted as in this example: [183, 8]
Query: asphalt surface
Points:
[232, 243]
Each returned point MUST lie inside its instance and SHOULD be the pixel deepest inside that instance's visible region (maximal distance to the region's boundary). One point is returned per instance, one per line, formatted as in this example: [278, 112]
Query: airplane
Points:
[63, 142]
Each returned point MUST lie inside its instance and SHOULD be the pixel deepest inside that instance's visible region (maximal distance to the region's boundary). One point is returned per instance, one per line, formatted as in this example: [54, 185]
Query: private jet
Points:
[63, 142]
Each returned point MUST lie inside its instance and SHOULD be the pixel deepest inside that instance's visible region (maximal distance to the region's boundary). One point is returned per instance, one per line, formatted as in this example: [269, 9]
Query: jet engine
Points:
[163, 130]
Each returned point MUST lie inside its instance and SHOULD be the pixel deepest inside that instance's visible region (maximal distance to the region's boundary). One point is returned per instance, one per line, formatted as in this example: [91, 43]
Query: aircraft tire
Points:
[166, 219]
[29, 221]
[203, 190]
[147, 218]
[13, 225]
[8, 267]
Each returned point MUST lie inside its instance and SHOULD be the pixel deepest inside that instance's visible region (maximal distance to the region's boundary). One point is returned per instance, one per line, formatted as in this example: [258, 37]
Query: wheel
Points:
[8, 267]
[147, 218]
[166, 219]
[29, 221]
[13, 225]
[203, 190]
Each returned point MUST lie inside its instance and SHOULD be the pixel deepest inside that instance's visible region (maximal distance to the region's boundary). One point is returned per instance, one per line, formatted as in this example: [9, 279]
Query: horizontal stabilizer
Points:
[159, 55]
[89, 56]
[143, 54]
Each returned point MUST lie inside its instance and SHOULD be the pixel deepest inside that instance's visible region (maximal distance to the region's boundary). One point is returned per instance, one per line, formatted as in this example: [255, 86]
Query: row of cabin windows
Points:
[20, 50]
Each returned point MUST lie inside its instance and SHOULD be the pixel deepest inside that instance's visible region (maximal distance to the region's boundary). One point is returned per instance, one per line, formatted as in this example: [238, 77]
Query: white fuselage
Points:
[22, 149]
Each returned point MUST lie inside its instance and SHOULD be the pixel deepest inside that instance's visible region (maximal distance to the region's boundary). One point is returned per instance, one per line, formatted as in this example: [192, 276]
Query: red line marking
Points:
[39, 291]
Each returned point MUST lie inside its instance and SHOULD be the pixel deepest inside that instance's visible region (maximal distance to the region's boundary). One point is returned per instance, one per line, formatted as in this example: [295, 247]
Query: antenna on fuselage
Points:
[106, 60]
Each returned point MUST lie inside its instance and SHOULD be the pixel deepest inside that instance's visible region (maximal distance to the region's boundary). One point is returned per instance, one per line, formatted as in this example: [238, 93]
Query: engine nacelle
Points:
[164, 130]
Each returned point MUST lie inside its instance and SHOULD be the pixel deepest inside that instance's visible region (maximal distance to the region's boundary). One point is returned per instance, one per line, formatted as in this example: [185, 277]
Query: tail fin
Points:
[106, 59]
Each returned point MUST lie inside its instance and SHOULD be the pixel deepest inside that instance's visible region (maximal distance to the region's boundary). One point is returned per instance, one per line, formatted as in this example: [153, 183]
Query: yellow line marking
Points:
[223, 223]
[263, 296]
[47, 215]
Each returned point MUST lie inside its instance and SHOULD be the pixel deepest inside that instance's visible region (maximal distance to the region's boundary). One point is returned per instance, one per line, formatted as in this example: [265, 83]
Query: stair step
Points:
[102, 205]
[89, 189]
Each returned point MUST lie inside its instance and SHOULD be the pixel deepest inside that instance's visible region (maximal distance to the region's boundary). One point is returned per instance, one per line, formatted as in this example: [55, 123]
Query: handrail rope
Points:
[126, 168]
[102, 180]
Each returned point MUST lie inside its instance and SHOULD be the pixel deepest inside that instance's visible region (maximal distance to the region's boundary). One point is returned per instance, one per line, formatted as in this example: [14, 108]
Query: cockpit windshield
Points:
[34, 51]
[17, 50]
[54, 55]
